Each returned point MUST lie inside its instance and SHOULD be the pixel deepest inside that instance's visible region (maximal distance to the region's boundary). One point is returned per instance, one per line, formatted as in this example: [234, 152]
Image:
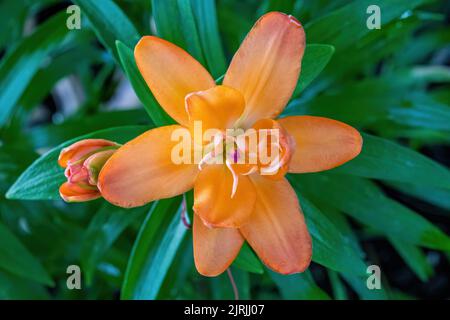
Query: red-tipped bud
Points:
[83, 161]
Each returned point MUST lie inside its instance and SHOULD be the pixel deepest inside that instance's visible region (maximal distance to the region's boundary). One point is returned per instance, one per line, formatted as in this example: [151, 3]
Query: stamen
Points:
[216, 150]
[186, 106]
[218, 143]
[252, 170]
[273, 167]
[235, 178]
[241, 144]
[206, 158]
[233, 284]
[276, 164]
[184, 217]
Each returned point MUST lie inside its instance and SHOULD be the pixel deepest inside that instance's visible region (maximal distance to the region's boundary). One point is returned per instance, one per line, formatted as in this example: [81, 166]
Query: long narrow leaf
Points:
[329, 246]
[15, 258]
[165, 13]
[350, 21]
[387, 160]
[154, 250]
[365, 202]
[191, 31]
[414, 258]
[20, 65]
[105, 227]
[298, 286]
[109, 23]
[206, 17]
[315, 59]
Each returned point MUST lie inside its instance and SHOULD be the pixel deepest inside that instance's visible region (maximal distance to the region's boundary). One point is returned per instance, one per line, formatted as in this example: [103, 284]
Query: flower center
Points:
[263, 150]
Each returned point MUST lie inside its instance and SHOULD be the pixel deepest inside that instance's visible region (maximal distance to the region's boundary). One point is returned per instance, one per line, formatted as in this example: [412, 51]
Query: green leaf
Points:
[376, 102]
[54, 134]
[359, 284]
[436, 196]
[358, 104]
[424, 113]
[105, 227]
[330, 248]
[315, 59]
[234, 22]
[349, 21]
[364, 201]
[42, 179]
[179, 271]
[61, 66]
[426, 74]
[165, 13]
[387, 160]
[342, 224]
[15, 258]
[154, 250]
[247, 260]
[372, 100]
[16, 288]
[21, 64]
[339, 291]
[206, 18]
[154, 110]
[285, 6]
[109, 23]
[13, 160]
[12, 18]
[298, 286]
[190, 30]
[197, 31]
[372, 48]
[399, 295]
[414, 258]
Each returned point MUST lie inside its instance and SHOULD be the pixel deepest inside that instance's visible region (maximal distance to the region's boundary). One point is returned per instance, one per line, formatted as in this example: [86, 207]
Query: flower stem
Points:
[233, 284]
[184, 217]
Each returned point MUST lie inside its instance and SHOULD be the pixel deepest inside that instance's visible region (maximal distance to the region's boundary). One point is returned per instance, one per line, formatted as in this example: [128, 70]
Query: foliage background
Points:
[388, 207]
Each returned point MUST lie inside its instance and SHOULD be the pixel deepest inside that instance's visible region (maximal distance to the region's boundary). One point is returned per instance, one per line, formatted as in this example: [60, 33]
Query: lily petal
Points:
[277, 230]
[321, 143]
[267, 65]
[213, 199]
[143, 170]
[95, 163]
[214, 248]
[81, 149]
[72, 192]
[171, 73]
[217, 108]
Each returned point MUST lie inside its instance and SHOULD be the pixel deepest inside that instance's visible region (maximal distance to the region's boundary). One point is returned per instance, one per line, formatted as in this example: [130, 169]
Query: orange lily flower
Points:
[261, 209]
[83, 161]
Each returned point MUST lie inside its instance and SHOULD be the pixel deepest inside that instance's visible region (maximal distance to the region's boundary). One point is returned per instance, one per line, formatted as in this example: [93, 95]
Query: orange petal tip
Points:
[82, 148]
[70, 192]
